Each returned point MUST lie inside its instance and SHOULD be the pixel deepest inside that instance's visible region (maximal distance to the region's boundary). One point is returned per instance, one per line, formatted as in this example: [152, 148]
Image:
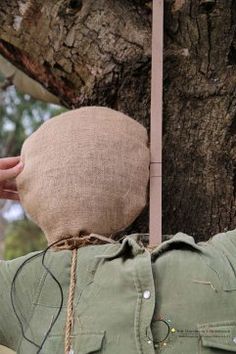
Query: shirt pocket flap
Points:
[218, 335]
[86, 343]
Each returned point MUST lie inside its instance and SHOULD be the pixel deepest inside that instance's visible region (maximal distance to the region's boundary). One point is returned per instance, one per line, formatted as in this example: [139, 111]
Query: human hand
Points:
[10, 167]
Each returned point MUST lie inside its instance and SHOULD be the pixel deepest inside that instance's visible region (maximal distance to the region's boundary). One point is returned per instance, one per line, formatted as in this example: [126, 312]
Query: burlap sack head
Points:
[86, 169]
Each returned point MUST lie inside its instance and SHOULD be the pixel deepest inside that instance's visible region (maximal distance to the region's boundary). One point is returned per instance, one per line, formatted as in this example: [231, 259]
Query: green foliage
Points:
[22, 237]
[20, 115]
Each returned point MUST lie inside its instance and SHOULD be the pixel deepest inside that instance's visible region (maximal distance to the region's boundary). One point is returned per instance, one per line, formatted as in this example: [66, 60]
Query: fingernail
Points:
[20, 165]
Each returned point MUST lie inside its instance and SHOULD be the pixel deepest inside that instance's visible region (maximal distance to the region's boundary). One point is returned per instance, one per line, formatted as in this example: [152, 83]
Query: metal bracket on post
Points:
[155, 223]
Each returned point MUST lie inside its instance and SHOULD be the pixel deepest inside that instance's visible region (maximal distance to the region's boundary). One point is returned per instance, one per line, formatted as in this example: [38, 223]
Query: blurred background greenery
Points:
[20, 116]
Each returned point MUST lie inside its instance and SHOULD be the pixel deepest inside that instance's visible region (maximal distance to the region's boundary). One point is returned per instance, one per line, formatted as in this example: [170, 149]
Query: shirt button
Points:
[146, 294]
[234, 340]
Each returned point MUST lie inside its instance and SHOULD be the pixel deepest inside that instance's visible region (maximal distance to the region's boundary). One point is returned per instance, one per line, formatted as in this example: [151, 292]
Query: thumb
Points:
[11, 172]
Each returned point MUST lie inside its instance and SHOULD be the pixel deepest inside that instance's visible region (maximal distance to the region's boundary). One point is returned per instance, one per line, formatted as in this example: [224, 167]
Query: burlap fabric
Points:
[85, 170]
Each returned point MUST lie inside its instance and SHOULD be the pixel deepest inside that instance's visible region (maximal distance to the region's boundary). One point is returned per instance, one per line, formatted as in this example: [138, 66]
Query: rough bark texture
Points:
[90, 52]
[99, 53]
[199, 117]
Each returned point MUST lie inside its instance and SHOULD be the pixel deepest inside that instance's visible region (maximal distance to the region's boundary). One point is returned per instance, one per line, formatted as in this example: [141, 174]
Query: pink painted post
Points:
[155, 224]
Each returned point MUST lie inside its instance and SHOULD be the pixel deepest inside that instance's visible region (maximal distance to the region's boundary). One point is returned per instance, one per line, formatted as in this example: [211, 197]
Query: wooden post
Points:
[155, 224]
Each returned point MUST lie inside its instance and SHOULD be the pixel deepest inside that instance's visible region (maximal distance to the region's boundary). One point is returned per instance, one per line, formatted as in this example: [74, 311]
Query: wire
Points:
[13, 289]
[61, 293]
[12, 298]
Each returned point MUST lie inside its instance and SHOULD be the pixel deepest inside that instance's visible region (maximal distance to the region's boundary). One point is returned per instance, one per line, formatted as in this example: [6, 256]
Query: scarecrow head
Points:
[86, 170]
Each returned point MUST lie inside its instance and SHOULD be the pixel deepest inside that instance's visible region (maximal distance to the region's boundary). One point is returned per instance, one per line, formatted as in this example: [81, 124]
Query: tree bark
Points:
[199, 117]
[86, 52]
[99, 53]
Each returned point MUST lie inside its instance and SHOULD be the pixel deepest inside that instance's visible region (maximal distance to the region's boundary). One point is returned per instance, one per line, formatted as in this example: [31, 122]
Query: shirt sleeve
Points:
[20, 293]
[9, 331]
[225, 246]
[226, 242]
[231, 235]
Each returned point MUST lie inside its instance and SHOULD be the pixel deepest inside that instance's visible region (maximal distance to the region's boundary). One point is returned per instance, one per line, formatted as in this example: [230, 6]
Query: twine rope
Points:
[73, 243]
[70, 303]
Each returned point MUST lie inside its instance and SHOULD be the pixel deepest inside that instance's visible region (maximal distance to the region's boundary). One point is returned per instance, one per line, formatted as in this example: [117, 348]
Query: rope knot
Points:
[75, 242]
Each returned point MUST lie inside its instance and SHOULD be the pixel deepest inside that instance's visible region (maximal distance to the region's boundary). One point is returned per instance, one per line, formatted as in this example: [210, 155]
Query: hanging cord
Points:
[13, 291]
[70, 303]
[61, 301]
[73, 243]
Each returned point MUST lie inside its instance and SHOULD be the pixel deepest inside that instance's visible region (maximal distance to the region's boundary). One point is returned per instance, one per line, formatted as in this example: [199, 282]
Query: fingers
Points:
[9, 185]
[11, 172]
[10, 167]
[8, 162]
[9, 195]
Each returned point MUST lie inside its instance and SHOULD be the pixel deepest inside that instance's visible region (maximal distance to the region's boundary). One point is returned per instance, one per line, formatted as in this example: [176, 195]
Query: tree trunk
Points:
[99, 53]
[199, 117]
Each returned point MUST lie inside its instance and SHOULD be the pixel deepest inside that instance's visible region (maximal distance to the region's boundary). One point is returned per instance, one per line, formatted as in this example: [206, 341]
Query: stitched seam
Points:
[42, 279]
[221, 275]
[93, 270]
[39, 288]
[83, 333]
[138, 312]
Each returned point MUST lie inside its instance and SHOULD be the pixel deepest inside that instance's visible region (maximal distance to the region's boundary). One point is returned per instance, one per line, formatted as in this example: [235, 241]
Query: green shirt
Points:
[180, 298]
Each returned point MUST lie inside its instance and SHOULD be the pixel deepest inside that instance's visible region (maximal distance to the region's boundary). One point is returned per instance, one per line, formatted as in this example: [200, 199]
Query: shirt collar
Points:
[132, 245]
[178, 241]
